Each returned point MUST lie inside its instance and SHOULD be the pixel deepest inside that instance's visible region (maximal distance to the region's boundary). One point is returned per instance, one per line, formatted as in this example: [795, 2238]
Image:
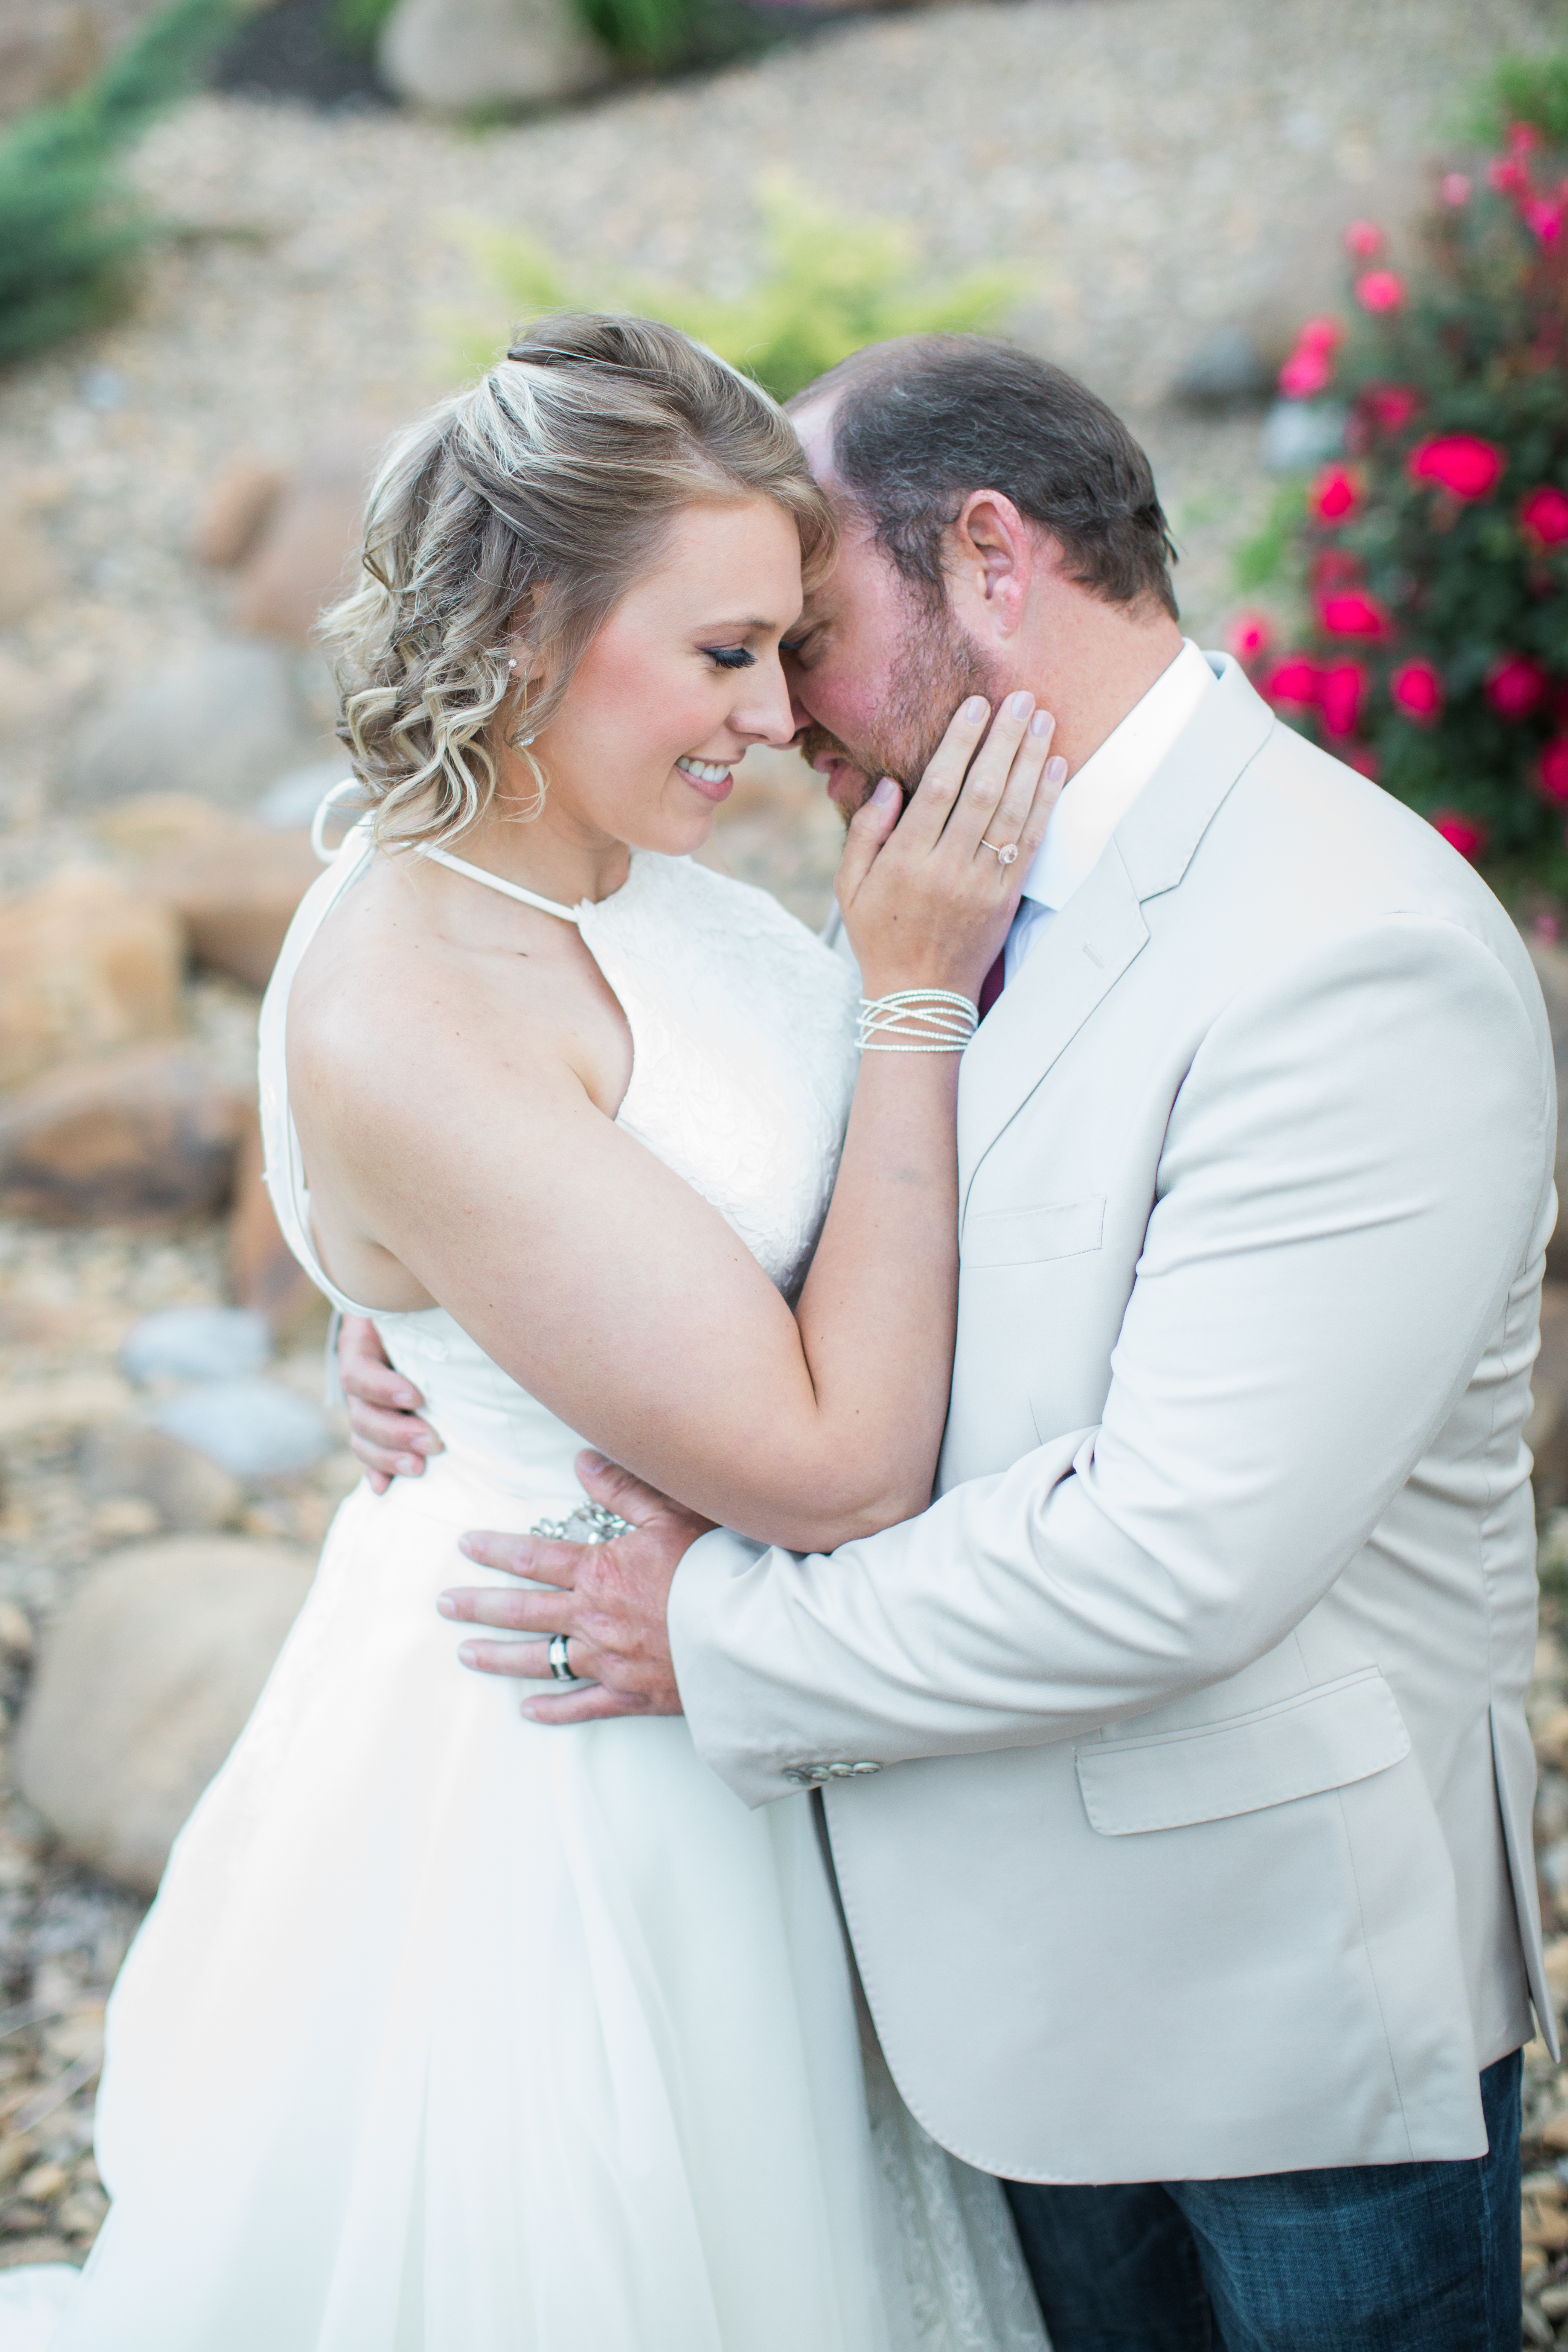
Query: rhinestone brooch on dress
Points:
[590, 1522]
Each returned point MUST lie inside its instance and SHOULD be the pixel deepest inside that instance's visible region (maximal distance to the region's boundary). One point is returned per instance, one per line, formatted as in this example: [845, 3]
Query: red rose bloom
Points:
[1350, 613]
[1341, 686]
[1320, 335]
[1542, 215]
[1380, 290]
[1335, 495]
[1293, 681]
[1416, 690]
[1516, 685]
[1389, 406]
[1306, 374]
[1552, 772]
[1459, 463]
[1468, 835]
[1507, 178]
[1543, 519]
[1249, 636]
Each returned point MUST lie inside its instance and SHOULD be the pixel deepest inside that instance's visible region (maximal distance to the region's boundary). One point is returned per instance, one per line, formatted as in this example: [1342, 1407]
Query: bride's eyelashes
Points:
[730, 657]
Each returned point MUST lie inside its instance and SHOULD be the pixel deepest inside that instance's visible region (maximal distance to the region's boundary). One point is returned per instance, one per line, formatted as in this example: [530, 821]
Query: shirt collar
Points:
[1094, 803]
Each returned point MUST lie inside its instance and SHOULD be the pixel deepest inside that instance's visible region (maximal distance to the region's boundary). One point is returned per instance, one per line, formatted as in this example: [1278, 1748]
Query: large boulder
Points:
[29, 574]
[187, 1494]
[143, 1686]
[236, 891]
[263, 1271]
[221, 725]
[306, 552]
[459, 55]
[143, 1138]
[233, 513]
[85, 965]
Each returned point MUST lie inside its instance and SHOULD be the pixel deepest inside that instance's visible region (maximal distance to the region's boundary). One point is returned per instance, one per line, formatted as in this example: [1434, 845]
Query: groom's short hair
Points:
[920, 424]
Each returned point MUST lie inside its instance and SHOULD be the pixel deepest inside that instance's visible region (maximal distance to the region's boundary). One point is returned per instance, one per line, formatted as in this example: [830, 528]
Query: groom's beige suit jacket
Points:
[1200, 1841]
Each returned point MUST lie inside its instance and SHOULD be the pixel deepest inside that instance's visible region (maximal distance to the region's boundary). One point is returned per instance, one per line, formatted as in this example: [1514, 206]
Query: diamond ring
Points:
[1004, 856]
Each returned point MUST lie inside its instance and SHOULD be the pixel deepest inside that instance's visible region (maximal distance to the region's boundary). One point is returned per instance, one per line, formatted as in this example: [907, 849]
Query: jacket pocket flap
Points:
[1322, 1739]
[1017, 1236]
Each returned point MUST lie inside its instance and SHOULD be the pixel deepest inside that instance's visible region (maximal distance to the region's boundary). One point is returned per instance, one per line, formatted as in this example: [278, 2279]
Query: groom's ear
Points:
[991, 559]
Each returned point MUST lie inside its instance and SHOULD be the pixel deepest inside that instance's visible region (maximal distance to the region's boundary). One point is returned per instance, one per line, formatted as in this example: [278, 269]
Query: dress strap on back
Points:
[494, 882]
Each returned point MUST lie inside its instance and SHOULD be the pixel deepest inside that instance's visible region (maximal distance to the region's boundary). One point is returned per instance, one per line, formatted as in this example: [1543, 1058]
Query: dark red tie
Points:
[993, 984]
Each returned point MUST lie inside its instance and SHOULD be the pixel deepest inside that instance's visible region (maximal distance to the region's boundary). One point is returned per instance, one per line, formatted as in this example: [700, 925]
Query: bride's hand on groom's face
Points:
[928, 897]
[609, 1599]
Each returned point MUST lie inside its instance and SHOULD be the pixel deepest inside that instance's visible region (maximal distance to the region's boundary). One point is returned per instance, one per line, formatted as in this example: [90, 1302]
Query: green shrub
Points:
[68, 229]
[830, 287]
[1432, 561]
[355, 25]
[1525, 89]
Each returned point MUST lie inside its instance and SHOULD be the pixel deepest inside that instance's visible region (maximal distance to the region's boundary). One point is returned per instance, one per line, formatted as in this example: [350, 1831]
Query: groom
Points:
[1175, 1760]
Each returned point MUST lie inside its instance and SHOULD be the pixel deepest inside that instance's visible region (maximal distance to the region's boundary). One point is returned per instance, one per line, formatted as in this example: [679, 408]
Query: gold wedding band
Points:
[1004, 857]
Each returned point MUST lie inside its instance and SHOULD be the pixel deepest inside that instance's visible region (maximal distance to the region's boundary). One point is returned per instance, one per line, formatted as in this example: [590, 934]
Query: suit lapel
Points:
[1100, 931]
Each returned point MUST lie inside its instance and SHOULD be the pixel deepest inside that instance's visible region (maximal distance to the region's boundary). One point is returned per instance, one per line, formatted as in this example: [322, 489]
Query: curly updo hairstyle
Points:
[509, 523]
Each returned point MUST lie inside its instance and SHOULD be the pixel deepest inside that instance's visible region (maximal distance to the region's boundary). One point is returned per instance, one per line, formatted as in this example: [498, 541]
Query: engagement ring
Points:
[1004, 856]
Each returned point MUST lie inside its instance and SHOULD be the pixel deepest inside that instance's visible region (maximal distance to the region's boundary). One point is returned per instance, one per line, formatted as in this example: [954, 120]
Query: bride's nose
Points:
[766, 715]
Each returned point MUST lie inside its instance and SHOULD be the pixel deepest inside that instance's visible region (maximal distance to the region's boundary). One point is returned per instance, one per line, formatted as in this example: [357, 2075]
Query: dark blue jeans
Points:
[1361, 2258]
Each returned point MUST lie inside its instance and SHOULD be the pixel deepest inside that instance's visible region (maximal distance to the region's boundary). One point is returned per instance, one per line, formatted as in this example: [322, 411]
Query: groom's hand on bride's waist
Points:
[607, 1601]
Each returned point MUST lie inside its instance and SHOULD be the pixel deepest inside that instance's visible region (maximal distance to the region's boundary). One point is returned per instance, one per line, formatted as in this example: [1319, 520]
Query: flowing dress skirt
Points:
[452, 2033]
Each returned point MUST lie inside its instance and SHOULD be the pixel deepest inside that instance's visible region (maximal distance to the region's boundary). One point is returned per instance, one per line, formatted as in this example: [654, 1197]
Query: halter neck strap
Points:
[494, 882]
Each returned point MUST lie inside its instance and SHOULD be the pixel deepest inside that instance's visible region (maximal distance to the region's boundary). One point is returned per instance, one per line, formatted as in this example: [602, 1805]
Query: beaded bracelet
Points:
[916, 1021]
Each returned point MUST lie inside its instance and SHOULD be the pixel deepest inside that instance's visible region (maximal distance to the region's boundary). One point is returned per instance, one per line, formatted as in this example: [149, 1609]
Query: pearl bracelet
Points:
[916, 1021]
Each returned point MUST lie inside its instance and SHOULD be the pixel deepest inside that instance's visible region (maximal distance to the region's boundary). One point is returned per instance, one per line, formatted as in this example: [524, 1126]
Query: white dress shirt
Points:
[1097, 799]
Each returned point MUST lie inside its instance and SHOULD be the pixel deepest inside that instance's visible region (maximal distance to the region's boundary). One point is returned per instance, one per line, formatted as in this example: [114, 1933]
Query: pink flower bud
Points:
[1552, 772]
[1468, 835]
[1389, 406]
[1352, 613]
[1460, 463]
[1523, 139]
[1335, 495]
[1249, 636]
[1364, 238]
[1305, 375]
[1516, 685]
[1380, 290]
[1341, 687]
[1456, 189]
[1417, 691]
[1292, 682]
[1547, 929]
[1543, 219]
[1543, 519]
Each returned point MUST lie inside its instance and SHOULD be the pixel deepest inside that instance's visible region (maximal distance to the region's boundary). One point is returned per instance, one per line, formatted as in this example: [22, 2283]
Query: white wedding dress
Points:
[450, 2032]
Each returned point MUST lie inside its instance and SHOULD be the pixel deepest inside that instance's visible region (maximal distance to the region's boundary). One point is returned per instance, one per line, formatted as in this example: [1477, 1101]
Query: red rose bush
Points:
[1433, 558]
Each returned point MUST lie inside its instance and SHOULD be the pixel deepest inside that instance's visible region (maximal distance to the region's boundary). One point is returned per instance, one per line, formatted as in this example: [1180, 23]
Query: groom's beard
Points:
[937, 668]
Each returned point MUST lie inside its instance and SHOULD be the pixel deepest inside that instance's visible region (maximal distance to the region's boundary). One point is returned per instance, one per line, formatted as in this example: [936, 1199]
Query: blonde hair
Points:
[509, 523]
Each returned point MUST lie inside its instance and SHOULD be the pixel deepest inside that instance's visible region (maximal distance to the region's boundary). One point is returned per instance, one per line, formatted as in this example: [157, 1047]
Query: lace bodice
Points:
[742, 1029]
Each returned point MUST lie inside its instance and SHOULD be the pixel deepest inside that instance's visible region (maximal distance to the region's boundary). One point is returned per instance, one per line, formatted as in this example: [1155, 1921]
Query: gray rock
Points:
[293, 799]
[457, 55]
[196, 1343]
[143, 1686]
[253, 1428]
[222, 726]
[188, 1492]
[1226, 371]
[1301, 433]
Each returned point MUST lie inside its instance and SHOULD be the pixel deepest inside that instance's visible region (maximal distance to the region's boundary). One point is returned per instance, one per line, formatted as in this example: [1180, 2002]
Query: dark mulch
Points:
[295, 49]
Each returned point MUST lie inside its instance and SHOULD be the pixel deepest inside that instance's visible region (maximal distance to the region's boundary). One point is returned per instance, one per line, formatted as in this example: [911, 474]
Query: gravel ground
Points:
[1146, 168]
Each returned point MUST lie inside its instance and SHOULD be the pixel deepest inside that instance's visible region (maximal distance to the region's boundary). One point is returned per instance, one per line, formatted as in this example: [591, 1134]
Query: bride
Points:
[449, 2033]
